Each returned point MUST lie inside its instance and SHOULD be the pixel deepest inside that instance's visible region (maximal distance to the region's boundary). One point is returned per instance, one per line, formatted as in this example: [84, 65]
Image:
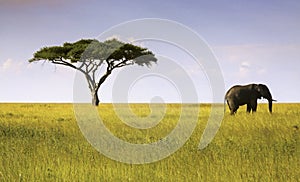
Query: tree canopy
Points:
[87, 55]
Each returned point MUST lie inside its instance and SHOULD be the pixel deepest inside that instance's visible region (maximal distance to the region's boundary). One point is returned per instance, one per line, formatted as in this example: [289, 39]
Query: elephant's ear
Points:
[253, 87]
[257, 87]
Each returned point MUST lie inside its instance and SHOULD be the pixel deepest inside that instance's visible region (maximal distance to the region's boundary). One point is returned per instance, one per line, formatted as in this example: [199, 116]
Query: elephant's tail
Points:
[225, 100]
[225, 104]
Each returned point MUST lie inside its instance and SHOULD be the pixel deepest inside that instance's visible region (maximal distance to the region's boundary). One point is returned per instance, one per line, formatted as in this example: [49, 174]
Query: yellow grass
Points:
[42, 142]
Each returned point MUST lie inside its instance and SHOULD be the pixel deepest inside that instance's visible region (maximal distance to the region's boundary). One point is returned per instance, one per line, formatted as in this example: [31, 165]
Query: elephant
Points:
[239, 95]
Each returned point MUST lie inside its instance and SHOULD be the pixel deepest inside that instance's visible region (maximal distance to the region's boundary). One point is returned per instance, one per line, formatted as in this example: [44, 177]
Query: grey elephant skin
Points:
[239, 95]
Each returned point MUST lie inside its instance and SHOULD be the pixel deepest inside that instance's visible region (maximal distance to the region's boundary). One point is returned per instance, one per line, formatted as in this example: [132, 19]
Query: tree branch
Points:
[62, 62]
[109, 65]
[123, 63]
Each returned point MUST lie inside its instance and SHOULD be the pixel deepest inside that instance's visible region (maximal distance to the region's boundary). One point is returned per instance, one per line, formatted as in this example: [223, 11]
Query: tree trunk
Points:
[95, 98]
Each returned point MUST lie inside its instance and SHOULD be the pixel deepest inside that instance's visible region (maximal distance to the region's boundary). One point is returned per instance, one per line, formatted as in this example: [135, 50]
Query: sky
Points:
[253, 42]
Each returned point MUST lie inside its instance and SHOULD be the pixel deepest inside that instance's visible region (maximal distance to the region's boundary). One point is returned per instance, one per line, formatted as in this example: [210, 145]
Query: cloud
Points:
[262, 71]
[119, 37]
[11, 66]
[258, 53]
[244, 69]
[131, 40]
[113, 37]
[6, 65]
[244, 66]
[251, 61]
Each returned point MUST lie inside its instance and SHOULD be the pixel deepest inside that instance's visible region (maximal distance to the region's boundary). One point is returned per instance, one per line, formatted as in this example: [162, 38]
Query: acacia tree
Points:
[88, 55]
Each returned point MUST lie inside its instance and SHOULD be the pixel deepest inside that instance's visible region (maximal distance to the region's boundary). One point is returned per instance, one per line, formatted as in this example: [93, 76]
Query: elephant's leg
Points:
[253, 105]
[234, 110]
[228, 105]
[249, 108]
[232, 106]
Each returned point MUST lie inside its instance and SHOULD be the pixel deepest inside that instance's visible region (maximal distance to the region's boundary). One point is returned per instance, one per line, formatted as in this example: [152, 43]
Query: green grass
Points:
[42, 142]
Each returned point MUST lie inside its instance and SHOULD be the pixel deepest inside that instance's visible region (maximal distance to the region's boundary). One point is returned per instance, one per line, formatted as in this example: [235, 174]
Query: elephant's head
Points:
[263, 91]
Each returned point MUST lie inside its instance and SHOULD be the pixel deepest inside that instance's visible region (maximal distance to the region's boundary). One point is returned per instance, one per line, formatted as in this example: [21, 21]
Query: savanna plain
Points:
[43, 142]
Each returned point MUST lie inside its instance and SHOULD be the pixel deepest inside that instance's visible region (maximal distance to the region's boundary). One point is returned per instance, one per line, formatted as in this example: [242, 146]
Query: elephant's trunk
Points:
[269, 97]
[270, 105]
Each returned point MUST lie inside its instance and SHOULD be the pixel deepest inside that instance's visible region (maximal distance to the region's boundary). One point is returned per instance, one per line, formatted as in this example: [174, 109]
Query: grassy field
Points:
[42, 142]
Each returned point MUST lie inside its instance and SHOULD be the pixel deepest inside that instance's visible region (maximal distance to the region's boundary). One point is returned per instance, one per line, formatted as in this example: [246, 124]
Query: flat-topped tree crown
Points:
[69, 51]
[87, 55]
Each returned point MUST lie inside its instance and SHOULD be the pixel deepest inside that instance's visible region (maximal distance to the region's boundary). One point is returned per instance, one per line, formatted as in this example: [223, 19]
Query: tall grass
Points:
[42, 142]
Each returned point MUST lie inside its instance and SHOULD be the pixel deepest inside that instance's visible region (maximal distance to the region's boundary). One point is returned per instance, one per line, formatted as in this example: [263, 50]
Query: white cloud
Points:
[262, 71]
[244, 69]
[118, 37]
[253, 60]
[6, 65]
[11, 65]
[113, 37]
[131, 40]
[244, 66]
[257, 54]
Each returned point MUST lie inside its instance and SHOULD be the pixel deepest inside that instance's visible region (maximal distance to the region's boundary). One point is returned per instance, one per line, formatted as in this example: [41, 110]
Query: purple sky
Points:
[254, 41]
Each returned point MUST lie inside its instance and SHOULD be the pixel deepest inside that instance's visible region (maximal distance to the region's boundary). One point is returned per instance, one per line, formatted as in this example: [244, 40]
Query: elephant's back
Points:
[233, 91]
